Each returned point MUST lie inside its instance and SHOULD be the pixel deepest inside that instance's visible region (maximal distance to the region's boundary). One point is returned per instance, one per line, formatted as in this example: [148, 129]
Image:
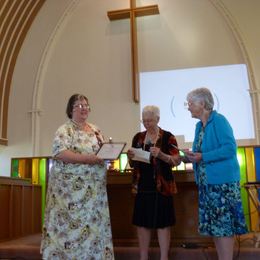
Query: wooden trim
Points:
[11, 211]
[15, 29]
[7, 19]
[3, 141]
[32, 157]
[118, 14]
[32, 209]
[6, 55]
[134, 56]
[22, 213]
[139, 11]
[147, 10]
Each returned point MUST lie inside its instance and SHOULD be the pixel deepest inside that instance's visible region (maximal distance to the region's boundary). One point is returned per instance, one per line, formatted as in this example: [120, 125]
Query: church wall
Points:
[246, 15]
[23, 83]
[73, 47]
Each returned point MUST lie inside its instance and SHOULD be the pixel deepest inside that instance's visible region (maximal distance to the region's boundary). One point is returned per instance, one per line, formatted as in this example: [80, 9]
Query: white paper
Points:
[141, 155]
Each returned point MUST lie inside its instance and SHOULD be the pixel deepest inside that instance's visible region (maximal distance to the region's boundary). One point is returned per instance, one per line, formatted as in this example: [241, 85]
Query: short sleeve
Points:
[62, 140]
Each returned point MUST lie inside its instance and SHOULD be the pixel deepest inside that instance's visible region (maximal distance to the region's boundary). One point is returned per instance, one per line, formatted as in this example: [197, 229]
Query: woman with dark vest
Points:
[153, 183]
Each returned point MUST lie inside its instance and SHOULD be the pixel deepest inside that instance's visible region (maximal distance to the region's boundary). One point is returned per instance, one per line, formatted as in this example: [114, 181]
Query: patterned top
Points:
[70, 137]
[162, 171]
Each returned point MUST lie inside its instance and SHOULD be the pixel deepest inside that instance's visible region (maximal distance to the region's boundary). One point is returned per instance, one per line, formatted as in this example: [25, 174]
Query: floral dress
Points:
[220, 206]
[77, 222]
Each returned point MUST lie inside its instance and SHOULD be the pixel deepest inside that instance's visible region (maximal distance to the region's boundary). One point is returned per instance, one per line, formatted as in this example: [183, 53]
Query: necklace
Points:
[151, 138]
[81, 126]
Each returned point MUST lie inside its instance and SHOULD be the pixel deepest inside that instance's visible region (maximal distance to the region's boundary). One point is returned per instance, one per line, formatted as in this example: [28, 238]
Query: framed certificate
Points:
[111, 151]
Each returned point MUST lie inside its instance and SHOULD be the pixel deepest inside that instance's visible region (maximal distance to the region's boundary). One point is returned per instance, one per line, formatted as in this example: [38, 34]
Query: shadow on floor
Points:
[29, 248]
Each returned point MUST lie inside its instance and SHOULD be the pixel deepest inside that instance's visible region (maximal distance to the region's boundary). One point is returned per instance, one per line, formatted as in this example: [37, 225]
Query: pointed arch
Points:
[16, 18]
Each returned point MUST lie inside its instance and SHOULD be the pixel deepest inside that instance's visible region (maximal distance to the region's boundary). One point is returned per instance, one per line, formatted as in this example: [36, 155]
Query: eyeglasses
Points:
[188, 104]
[147, 121]
[82, 106]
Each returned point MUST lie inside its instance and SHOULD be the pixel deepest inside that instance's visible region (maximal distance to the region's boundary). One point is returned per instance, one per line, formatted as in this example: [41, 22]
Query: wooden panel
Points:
[37, 207]
[4, 215]
[121, 203]
[17, 212]
[27, 214]
[186, 206]
[20, 210]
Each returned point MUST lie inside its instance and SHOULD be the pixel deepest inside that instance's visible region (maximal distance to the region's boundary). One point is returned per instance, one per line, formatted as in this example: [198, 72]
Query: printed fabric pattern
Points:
[165, 182]
[77, 222]
[220, 207]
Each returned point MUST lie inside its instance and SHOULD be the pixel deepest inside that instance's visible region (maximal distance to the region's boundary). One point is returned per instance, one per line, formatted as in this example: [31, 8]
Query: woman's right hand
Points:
[130, 154]
[194, 157]
[72, 157]
[93, 159]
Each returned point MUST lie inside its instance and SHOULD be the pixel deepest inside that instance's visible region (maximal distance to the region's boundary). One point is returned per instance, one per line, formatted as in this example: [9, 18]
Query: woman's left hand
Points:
[155, 151]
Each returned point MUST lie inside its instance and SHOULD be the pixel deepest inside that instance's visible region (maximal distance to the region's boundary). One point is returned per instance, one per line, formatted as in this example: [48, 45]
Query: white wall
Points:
[80, 50]
[24, 82]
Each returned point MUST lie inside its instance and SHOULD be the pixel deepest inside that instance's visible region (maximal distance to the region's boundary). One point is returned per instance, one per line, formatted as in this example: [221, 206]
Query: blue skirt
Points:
[220, 209]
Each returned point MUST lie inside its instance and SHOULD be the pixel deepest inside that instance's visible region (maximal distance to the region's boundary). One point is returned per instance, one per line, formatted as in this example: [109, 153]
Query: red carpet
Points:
[29, 248]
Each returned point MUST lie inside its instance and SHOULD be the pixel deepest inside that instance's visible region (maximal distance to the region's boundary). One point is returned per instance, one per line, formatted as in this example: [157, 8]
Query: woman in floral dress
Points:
[217, 173]
[77, 222]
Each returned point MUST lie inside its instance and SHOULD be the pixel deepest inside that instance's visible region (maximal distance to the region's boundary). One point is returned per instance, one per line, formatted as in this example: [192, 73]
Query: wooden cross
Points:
[132, 13]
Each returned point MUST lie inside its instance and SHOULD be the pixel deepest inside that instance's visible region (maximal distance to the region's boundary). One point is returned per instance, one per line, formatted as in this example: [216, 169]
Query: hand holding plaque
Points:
[111, 151]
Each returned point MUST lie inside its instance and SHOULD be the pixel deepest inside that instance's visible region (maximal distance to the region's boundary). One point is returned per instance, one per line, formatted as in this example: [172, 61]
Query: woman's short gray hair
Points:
[154, 110]
[202, 94]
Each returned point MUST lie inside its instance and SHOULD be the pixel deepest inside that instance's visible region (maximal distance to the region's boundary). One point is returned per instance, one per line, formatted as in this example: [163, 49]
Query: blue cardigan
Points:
[219, 150]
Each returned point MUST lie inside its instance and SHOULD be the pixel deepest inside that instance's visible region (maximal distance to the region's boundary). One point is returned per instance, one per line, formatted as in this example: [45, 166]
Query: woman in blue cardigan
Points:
[214, 158]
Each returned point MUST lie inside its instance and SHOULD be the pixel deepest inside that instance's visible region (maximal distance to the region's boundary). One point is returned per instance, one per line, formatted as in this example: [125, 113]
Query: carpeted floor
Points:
[29, 248]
